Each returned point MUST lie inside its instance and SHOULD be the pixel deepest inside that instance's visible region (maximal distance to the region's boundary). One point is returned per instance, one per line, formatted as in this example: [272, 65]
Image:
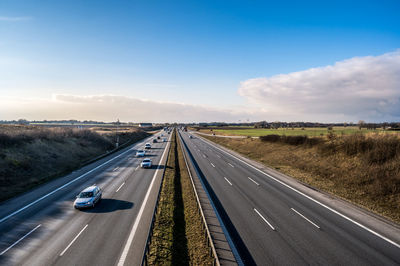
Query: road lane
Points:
[295, 240]
[108, 223]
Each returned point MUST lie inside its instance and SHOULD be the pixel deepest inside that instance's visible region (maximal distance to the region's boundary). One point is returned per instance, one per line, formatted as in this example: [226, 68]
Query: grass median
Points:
[178, 237]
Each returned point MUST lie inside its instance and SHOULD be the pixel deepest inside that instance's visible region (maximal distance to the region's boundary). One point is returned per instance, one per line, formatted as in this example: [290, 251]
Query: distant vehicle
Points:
[190, 137]
[88, 197]
[147, 146]
[162, 135]
[146, 163]
[154, 140]
[140, 153]
[164, 139]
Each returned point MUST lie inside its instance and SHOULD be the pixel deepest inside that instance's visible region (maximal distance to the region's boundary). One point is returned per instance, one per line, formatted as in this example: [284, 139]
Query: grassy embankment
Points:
[178, 237]
[31, 155]
[311, 132]
[364, 169]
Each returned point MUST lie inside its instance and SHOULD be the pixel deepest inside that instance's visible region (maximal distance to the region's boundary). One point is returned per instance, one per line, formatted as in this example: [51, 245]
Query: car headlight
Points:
[88, 203]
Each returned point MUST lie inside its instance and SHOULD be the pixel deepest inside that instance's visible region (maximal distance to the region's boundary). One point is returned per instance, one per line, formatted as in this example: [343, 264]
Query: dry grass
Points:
[197, 244]
[160, 248]
[31, 155]
[177, 237]
[362, 169]
[311, 132]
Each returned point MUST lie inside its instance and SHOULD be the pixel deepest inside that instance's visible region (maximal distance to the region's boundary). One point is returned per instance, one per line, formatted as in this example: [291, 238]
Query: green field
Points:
[312, 132]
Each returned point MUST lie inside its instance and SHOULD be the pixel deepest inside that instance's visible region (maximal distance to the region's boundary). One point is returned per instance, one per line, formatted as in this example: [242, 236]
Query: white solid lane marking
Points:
[212, 165]
[73, 240]
[120, 187]
[231, 164]
[128, 244]
[137, 167]
[228, 181]
[265, 220]
[59, 188]
[314, 200]
[218, 156]
[19, 240]
[253, 181]
[305, 218]
[116, 168]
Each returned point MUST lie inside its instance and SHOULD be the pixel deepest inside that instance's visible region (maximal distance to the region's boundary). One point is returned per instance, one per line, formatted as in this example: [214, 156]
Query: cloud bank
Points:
[365, 88]
[111, 107]
[361, 88]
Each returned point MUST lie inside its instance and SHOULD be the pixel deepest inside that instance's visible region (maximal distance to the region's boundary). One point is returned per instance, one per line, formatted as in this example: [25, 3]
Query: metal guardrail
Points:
[210, 243]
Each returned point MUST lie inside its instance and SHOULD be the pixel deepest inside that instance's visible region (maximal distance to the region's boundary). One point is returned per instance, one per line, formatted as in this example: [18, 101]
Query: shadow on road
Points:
[110, 205]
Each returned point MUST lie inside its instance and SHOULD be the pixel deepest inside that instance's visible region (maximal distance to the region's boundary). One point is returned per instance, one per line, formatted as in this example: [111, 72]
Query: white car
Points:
[140, 153]
[147, 146]
[146, 163]
[164, 139]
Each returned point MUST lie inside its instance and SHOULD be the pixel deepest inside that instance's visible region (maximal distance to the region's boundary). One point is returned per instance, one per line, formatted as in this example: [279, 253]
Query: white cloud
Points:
[14, 19]
[358, 88]
[111, 107]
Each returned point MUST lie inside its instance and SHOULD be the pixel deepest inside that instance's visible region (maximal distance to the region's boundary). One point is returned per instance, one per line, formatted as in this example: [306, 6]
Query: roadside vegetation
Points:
[361, 168]
[178, 236]
[311, 132]
[32, 155]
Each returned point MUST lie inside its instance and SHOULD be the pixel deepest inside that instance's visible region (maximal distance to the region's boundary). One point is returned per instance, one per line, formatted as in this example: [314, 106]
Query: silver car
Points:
[88, 197]
[146, 163]
[140, 153]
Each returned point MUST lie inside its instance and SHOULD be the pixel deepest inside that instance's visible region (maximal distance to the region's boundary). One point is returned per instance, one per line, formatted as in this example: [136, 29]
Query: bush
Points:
[271, 138]
[291, 140]
[376, 150]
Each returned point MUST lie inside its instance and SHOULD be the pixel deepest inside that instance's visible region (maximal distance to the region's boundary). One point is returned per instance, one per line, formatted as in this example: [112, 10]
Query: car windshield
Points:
[140, 151]
[86, 195]
[146, 161]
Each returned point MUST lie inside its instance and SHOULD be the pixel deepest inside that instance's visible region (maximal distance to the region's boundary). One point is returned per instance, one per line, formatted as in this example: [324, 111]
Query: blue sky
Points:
[192, 53]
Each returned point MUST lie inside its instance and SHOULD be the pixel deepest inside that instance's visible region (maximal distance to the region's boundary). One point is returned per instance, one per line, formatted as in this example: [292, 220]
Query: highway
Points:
[41, 227]
[274, 220]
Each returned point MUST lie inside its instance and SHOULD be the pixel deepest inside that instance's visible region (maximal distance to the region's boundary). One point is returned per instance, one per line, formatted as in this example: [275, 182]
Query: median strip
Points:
[177, 236]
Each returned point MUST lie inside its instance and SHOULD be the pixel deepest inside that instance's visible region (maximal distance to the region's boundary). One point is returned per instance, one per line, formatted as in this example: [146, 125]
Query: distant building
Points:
[145, 124]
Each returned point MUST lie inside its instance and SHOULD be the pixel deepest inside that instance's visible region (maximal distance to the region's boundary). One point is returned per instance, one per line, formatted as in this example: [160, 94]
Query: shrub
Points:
[291, 140]
[270, 138]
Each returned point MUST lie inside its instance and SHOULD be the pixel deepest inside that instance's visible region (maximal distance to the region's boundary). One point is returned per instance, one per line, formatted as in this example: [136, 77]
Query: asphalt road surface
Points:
[273, 221]
[41, 227]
